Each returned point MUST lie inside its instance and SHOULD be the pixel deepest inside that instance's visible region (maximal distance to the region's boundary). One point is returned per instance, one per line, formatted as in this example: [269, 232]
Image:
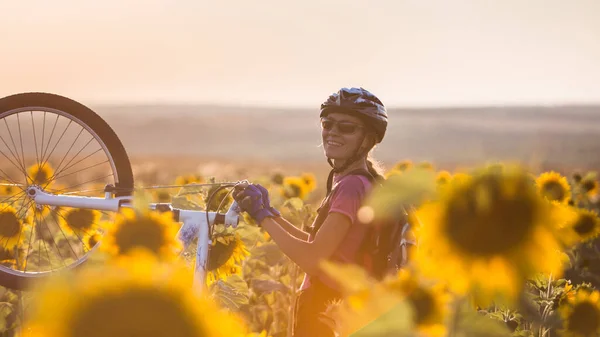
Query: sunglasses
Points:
[345, 128]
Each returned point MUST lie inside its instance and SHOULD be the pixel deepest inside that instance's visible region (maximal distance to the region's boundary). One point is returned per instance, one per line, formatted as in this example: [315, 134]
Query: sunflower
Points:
[425, 165]
[294, 187]
[42, 175]
[403, 165]
[226, 254]
[10, 227]
[79, 221]
[148, 230]
[92, 239]
[8, 189]
[443, 177]
[221, 198]
[581, 314]
[161, 196]
[277, 178]
[309, 181]
[429, 303]
[589, 185]
[366, 300]
[487, 234]
[138, 297]
[553, 187]
[189, 179]
[586, 224]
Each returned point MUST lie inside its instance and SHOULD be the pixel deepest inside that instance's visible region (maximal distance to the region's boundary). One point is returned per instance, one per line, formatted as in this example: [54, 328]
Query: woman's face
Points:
[342, 135]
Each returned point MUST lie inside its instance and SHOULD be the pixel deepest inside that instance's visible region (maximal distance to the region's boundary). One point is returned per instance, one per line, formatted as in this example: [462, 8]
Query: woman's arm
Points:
[293, 230]
[308, 255]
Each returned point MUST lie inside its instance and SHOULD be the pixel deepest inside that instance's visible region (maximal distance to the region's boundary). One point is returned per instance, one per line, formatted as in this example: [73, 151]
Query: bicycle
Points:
[36, 208]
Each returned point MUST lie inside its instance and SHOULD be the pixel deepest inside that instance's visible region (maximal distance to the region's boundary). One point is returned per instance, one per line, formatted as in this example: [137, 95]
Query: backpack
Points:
[385, 247]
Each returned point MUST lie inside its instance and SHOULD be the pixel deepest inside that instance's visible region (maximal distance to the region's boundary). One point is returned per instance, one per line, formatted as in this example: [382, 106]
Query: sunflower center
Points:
[220, 253]
[9, 225]
[585, 224]
[423, 304]
[293, 191]
[588, 185]
[554, 191]
[41, 177]
[136, 312]
[483, 220]
[80, 219]
[585, 319]
[143, 232]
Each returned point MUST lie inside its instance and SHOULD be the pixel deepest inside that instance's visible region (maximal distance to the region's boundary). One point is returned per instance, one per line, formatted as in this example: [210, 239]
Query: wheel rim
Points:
[56, 152]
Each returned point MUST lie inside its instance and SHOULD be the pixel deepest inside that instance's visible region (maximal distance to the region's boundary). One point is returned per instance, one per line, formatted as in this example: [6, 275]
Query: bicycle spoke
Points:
[21, 141]
[89, 181]
[83, 169]
[37, 158]
[82, 159]
[58, 141]
[15, 146]
[49, 139]
[75, 232]
[54, 242]
[15, 156]
[54, 176]
[69, 150]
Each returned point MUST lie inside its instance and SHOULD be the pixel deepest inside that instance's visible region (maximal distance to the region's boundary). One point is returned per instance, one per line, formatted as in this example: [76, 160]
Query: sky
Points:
[296, 53]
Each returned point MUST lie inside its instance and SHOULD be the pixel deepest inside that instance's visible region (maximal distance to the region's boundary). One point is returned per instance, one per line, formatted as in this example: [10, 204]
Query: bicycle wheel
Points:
[63, 147]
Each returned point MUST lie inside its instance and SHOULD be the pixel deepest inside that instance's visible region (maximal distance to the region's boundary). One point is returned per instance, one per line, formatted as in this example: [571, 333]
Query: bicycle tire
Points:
[20, 280]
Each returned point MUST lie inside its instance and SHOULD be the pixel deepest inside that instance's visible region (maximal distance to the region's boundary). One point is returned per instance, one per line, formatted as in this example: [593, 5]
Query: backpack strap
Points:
[323, 209]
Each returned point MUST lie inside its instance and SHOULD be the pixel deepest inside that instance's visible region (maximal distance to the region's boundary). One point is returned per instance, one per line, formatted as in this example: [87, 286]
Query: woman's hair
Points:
[375, 167]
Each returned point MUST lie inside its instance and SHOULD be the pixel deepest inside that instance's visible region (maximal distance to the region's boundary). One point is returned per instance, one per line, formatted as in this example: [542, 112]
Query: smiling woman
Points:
[353, 120]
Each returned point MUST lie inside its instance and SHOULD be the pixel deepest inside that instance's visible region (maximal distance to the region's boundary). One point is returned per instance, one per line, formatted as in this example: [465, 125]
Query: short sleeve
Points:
[348, 197]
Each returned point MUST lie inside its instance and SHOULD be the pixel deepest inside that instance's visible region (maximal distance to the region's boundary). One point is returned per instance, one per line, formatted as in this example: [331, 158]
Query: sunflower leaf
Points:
[266, 285]
[232, 293]
[472, 324]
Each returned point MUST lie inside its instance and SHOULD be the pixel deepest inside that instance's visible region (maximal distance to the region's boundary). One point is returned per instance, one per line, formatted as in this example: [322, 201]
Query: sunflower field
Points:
[502, 251]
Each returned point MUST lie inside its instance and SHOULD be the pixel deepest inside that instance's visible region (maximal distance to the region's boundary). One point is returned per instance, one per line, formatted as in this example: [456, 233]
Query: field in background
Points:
[242, 141]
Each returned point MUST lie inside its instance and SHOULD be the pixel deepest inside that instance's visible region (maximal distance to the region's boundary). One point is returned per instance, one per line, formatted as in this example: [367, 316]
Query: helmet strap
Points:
[357, 155]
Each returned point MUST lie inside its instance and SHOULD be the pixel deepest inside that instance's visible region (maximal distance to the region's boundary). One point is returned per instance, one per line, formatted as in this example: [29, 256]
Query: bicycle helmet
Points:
[361, 103]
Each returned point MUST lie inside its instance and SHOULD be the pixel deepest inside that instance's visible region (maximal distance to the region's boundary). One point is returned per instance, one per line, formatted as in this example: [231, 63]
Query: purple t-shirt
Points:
[346, 199]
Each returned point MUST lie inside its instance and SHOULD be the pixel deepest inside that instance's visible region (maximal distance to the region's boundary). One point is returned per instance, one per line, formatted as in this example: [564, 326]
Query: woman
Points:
[353, 121]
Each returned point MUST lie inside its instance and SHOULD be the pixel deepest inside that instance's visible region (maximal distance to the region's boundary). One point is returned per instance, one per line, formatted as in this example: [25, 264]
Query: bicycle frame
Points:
[194, 222]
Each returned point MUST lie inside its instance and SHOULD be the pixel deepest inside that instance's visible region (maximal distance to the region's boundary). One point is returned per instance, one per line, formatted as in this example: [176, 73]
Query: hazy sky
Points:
[298, 52]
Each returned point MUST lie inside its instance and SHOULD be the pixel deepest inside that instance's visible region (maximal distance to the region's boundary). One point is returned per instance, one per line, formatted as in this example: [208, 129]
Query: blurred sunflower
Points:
[403, 165]
[586, 224]
[78, 221]
[149, 230]
[443, 177]
[429, 303]
[294, 187]
[189, 179]
[136, 298]
[309, 181]
[226, 254]
[10, 226]
[487, 234]
[425, 165]
[589, 185]
[581, 314]
[161, 196]
[8, 190]
[40, 174]
[553, 187]
[277, 178]
[92, 239]
[221, 198]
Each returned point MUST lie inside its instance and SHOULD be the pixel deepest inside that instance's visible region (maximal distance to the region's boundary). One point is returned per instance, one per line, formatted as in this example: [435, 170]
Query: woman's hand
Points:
[254, 199]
